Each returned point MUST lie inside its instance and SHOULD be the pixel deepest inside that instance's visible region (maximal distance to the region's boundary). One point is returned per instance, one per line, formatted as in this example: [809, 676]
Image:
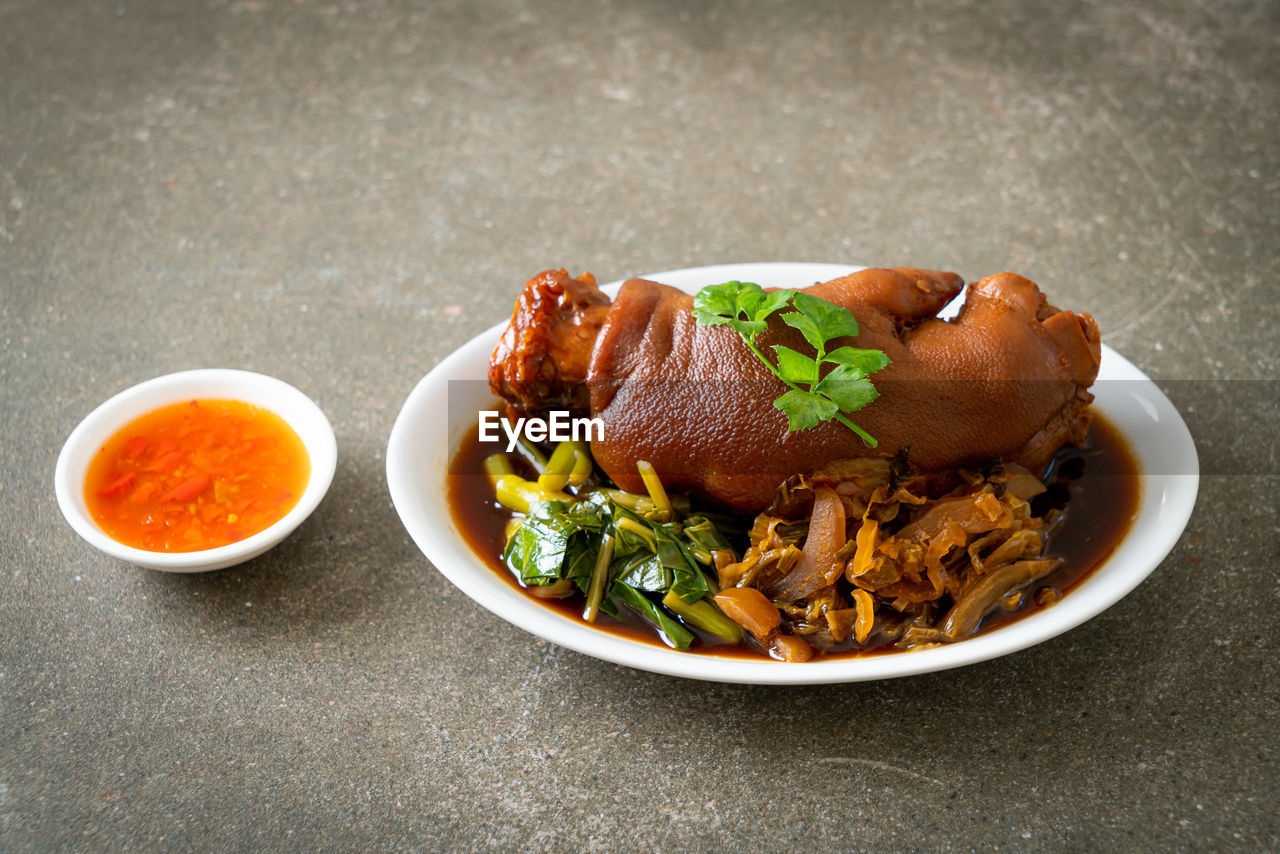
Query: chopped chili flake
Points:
[167, 463]
[117, 487]
[196, 475]
[188, 489]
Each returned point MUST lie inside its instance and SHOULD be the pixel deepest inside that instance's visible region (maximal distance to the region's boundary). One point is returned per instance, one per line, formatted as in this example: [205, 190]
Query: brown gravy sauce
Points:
[1097, 485]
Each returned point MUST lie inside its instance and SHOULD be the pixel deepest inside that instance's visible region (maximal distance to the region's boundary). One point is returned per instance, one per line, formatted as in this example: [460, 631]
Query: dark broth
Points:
[1096, 485]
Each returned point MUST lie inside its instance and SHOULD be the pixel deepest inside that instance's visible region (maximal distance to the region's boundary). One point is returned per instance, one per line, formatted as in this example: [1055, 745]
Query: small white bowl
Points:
[298, 411]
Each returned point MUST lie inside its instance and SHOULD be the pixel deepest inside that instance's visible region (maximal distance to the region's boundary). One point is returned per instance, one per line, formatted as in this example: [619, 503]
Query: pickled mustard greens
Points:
[618, 549]
[815, 396]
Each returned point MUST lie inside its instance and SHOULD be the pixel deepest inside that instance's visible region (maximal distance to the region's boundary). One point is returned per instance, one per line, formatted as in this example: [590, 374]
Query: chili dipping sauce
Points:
[196, 475]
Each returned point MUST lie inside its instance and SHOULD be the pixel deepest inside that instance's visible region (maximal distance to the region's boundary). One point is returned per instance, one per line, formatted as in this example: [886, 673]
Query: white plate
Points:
[436, 417]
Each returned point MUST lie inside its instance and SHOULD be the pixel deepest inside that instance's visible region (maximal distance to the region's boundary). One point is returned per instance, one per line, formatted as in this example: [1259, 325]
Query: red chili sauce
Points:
[196, 475]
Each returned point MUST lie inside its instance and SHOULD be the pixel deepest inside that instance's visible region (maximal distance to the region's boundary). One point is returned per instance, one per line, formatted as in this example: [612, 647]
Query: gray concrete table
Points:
[340, 193]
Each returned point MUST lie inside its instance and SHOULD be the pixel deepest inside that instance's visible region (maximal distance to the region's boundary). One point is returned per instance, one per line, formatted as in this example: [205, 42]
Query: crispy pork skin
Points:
[1008, 378]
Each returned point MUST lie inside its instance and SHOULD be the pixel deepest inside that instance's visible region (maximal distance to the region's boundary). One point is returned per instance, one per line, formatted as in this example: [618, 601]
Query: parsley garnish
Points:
[813, 397]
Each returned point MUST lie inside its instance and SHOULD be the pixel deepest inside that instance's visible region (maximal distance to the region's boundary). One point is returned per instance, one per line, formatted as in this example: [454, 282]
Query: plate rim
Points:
[440, 541]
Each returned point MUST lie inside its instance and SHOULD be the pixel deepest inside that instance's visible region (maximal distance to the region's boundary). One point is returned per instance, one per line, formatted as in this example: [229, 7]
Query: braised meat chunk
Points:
[1007, 379]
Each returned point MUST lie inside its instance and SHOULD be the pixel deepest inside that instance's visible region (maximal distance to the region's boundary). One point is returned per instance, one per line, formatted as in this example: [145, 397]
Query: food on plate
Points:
[1008, 379]
[196, 475]
[797, 473]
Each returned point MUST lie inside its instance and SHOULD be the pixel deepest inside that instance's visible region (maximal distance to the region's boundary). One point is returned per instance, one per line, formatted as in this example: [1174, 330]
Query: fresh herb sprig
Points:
[814, 397]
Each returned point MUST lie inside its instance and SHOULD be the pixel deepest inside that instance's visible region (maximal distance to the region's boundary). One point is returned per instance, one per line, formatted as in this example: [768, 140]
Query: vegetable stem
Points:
[495, 466]
[556, 475]
[633, 527]
[705, 616]
[599, 575]
[555, 590]
[700, 554]
[516, 493]
[862, 434]
[653, 484]
[629, 500]
[583, 464]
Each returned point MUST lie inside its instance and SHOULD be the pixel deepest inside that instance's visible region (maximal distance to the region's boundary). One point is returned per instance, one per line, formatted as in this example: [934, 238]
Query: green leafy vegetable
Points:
[621, 549]
[592, 512]
[580, 559]
[643, 571]
[702, 532]
[687, 582]
[673, 634]
[814, 396]
[536, 551]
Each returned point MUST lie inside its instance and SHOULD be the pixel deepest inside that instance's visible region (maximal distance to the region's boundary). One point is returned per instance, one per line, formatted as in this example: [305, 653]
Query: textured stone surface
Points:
[340, 193]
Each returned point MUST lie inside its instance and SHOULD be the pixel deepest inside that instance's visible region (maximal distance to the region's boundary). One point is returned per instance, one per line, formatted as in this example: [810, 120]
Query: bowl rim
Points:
[1165, 505]
[298, 410]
